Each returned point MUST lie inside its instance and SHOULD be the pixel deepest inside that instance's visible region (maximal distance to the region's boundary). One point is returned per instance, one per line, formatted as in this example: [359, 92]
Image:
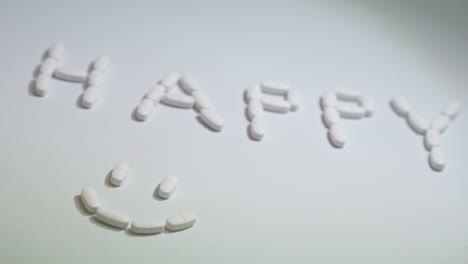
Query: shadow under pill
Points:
[133, 115]
[107, 180]
[331, 141]
[246, 113]
[249, 134]
[79, 206]
[31, 90]
[199, 120]
[129, 233]
[94, 220]
[156, 195]
[79, 102]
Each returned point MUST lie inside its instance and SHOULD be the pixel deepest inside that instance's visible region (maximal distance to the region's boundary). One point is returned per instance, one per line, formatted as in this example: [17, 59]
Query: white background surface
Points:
[290, 198]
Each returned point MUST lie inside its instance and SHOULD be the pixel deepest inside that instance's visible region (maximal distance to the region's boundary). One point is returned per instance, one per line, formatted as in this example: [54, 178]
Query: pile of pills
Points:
[431, 131]
[257, 103]
[333, 106]
[117, 219]
[192, 97]
[93, 80]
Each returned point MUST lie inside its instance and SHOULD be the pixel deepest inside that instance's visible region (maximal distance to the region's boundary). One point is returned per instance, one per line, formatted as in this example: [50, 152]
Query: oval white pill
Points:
[367, 102]
[170, 80]
[350, 110]
[96, 78]
[257, 128]
[144, 109]
[254, 108]
[294, 99]
[48, 66]
[112, 217]
[400, 105]
[41, 84]
[331, 116]
[274, 104]
[178, 100]
[347, 94]
[337, 135]
[417, 122]
[71, 75]
[452, 109]
[253, 92]
[328, 99]
[437, 159]
[432, 138]
[90, 199]
[181, 221]
[156, 93]
[188, 83]
[90, 96]
[167, 186]
[56, 51]
[201, 100]
[147, 226]
[441, 123]
[275, 87]
[101, 63]
[119, 173]
[211, 119]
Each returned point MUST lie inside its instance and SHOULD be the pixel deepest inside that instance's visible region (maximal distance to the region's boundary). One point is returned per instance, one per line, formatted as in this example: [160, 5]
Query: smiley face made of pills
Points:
[142, 226]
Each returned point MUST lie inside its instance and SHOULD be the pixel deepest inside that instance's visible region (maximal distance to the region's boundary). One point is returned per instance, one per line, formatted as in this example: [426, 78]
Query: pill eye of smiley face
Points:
[142, 226]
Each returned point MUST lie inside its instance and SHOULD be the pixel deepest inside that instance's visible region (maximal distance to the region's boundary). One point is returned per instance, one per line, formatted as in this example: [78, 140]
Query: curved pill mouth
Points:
[89, 204]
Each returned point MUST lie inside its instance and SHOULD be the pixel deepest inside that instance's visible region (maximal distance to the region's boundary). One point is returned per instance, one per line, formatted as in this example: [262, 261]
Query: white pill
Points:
[144, 109]
[437, 159]
[275, 104]
[170, 80]
[294, 99]
[90, 199]
[181, 221]
[178, 100]
[201, 100]
[432, 138]
[401, 105]
[119, 173]
[347, 110]
[147, 226]
[90, 96]
[441, 123]
[254, 108]
[112, 217]
[211, 119]
[337, 135]
[96, 78]
[347, 94]
[452, 109]
[101, 63]
[188, 83]
[257, 128]
[331, 116]
[56, 51]
[41, 84]
[417, 122]
[367, 102]
[253, 92]
[71, 75]
[328, 99]
[48, 66]
[275, 87]
[167, 186]
[156, 93]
